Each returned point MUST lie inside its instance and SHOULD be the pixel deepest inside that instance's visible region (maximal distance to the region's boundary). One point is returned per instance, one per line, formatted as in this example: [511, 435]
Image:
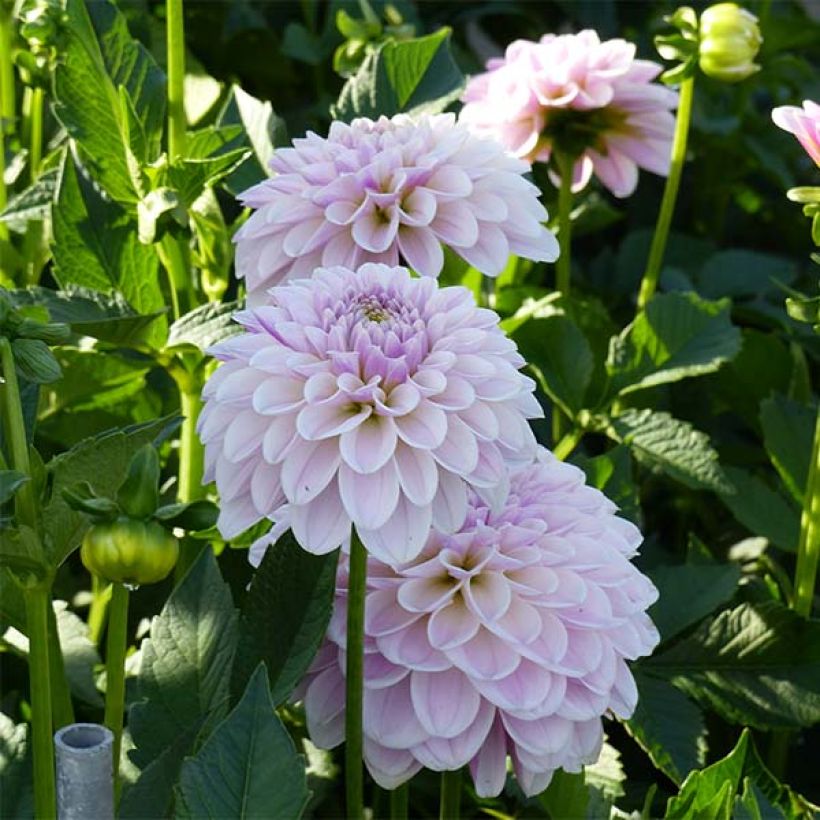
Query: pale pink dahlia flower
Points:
[804, 123]
[508, 638]
[574, 94]
[364, 397]
[392, 191]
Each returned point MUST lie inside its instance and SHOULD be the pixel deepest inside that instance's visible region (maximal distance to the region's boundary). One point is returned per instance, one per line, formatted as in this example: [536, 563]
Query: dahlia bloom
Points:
[804, 123]
[507, 638]
[577, 95]
[390, 191]
[364, 397]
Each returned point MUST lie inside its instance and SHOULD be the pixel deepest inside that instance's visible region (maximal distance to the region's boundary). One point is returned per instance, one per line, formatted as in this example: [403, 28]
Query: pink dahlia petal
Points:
[369, 398]
[506, 638]
[804, 123]
[371, 191]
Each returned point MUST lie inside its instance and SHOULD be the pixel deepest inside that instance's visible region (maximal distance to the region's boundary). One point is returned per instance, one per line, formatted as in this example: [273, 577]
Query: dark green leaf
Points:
[204, 326]
[102, 461]
[98, 56]
[668, 727]
[689, 592]
[10, 481]
[248, 768]
[418, 76]
[96, 246]
[756, 664]
[740, 272]
[191, 176]
[138, 495]
[35, 361]
[763, 510]
[186, 661]
[710, 792]
[192, 516]
[676, 336]
[80, 656]
[12, 603]
[788, 430]
[673, 446]
[611, 472]
[560, 357]
[293, 589]
[566, 796]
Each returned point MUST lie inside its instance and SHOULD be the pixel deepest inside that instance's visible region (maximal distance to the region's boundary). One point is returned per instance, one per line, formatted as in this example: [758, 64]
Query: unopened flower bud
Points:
[729, 41]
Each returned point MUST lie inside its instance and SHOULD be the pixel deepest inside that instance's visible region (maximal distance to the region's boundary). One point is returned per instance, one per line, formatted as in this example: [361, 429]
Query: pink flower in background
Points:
[507, 638]
[804, 123]
[578, 95]
[367, 397]
[392, 191]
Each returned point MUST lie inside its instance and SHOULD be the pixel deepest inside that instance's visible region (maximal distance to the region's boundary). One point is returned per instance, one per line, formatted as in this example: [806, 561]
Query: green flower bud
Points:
[729, 41]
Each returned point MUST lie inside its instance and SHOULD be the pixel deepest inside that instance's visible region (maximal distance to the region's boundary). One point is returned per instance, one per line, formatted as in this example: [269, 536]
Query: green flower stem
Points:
[450, 803]
[354, 678]
[38, 603]
[191, 453]
[670, 193]
[567, 444]
[488, 292]
[33, 117]
[175, 258]
[62, 709]
[808, 549]
[566, 164]
[98, 611]
[175, 39]
[7, 103]
[399, 802]
[115, 671]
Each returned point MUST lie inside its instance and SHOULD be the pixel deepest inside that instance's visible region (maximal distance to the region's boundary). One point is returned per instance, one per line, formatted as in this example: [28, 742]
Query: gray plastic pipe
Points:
[85, 775]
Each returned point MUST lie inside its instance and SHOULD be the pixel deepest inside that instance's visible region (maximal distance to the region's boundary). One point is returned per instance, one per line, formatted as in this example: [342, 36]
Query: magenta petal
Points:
[324, 707]
[421, 250]
[321, 525]
[450, 502]
[368, 446]
[418, 474]
[369, 499]
[489, 766]
[390, 768]
[452, 625]
[389, 717]
[485, 656]
[308, 469]
[402, 537]
[448, 753]
[446, 703]
[425, 427]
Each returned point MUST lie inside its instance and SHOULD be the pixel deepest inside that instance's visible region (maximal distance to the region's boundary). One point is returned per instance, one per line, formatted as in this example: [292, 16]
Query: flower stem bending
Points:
[670, 193]
[450, 802]
[808, 549]
[115, 670]
[354, 679]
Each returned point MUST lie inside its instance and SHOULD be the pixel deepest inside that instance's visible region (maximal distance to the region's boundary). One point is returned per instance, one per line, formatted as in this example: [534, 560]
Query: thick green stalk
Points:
[567, 444]
[670, 193]
[38, 602]
[354, 679]
[62, 709]
[399, 802]
[808, 548]
[175, 38]
[115, 671]
[191, 453]
[566, 165]
[7, 104]
[450, 801]
[98, 611]
[33, 115]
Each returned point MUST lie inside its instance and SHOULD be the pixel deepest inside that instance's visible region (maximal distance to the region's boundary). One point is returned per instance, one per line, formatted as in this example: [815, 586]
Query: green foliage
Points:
[294, 590]
[186, 660]
[16, 797]
[231, 775]
[788, 429]
[204, 326]
[756, 665]
[414, 76]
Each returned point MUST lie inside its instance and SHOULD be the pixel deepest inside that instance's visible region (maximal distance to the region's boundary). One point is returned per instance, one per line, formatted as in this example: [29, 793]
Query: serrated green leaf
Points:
[676, 336]
[690, 592]
[103, 316]
[16, 778]
[248, 768]
[190, 177]
[756, 664]
[204, 326]
[739, 272]
[103, 462]
[710, 792]
[10, 482]
[416, 76]
[97, 57]
[788, 431]
[33, 203]
[673, 446]
[668, 727]
[560, 357]
[762, 509]
[293, 589]
[96, 246]
[186, 661]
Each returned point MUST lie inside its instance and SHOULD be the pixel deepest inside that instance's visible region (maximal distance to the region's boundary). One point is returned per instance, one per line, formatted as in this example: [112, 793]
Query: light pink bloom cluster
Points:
[391, 191]
[575, 94]
[507, 638]
[364, 397]
[804, 123]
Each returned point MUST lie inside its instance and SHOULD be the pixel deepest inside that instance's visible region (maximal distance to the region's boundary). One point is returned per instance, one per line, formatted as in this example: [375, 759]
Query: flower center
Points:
[572, 131]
